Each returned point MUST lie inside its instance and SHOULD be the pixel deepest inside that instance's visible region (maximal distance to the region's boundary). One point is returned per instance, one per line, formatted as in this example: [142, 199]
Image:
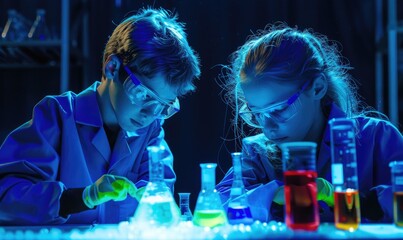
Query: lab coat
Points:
[378, 142]
[65, 145]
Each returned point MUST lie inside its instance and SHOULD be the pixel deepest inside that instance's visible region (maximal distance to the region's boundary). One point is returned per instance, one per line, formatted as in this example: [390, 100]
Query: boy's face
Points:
[132, 116]
[262, 93]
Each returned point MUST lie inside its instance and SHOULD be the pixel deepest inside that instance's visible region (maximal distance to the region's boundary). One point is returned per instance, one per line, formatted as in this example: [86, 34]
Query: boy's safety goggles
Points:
[142, 96]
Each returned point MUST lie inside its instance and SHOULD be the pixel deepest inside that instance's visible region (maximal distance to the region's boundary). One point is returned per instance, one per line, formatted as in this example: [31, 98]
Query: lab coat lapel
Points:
[324, 161]
[121, 151]
[101, 143]
[88, 113]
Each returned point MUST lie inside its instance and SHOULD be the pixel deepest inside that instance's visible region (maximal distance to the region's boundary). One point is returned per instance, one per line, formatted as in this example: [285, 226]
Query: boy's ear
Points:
[320, 87]
[111, 67]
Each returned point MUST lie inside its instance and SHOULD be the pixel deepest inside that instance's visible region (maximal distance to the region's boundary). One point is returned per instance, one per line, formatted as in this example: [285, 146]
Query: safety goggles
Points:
[280, 112]
[142, 96]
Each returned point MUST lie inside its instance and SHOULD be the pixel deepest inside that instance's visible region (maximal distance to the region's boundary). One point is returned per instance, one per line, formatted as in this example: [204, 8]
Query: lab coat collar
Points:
[324, 151]
[87, 111]
[334, 112]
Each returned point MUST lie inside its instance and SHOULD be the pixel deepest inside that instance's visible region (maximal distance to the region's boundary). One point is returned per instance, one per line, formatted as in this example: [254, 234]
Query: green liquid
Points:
[209, 218]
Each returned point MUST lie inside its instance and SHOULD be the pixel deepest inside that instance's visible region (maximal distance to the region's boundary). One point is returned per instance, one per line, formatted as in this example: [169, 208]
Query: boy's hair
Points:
[153, 41]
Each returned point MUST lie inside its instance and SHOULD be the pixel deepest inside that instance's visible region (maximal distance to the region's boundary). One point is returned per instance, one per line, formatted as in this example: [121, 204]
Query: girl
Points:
[288, 84]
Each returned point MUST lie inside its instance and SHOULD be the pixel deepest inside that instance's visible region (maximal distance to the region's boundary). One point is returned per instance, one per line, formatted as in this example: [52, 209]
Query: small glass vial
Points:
[238, 208]
[186, 214]
[209, 211]
[157, 205]
[344, 174]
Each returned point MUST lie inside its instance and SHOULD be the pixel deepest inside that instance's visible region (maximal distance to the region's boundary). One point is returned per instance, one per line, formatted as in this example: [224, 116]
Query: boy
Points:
[79, 151]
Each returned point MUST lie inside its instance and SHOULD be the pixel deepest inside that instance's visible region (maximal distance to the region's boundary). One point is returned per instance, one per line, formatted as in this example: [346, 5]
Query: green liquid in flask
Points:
[209, 218]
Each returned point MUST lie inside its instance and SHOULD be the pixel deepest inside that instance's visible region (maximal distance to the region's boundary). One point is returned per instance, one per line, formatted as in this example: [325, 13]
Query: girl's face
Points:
[132, 116]
[262, 93]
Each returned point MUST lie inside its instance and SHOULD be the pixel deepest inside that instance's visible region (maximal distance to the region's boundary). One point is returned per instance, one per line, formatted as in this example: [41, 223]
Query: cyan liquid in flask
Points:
[238, 208]
[209, 211]
[186, 214]
[157, 205]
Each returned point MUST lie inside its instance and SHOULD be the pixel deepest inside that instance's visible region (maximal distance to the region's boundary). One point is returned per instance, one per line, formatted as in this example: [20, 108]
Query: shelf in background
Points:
[31, 43]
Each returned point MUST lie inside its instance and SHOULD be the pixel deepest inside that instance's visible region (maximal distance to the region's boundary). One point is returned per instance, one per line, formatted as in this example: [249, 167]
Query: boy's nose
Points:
[152, 109]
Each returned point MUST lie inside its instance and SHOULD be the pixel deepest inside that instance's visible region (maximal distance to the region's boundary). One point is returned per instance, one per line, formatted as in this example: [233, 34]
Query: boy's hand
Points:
[106, 188]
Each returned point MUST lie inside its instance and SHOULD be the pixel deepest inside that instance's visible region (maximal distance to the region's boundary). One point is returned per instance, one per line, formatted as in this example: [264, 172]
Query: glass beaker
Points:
[209, 211]
[238, 208]
[344, 174]
[157, 205]
[397, 188]
[186, 214]
[300, 190]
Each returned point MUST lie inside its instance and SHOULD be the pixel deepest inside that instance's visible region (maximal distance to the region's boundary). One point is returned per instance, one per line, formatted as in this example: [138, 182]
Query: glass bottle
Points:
[15, 30]
[396, 170]
[186, 214]
[344, 174]
[209, 211]
[157, 205]
[16, 27]
[238, 208]
[39, 30]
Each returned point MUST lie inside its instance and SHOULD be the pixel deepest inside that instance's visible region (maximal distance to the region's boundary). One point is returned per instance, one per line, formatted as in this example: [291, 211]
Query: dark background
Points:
[215, 28]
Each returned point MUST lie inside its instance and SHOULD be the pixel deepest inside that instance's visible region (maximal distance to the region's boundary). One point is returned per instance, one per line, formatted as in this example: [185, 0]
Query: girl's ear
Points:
[320, 87]
[111, 67]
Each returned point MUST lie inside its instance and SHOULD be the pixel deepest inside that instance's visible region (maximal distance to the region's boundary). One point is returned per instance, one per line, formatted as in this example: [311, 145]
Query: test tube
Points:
[344, 174]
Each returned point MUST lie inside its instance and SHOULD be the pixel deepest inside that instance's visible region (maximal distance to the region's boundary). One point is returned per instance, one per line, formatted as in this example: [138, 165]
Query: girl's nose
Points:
[268, 122]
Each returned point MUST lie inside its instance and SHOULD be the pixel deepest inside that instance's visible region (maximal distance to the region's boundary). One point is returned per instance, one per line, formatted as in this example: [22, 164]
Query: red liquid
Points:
[347, 210]
[301, 205]
[398, 208]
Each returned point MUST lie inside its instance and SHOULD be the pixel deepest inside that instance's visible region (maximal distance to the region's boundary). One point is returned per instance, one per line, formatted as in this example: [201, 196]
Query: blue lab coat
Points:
[377, 143]
[65, 145]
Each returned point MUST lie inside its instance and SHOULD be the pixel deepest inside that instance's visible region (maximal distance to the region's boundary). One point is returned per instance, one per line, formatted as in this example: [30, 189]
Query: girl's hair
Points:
[282, 53]
[153, 41]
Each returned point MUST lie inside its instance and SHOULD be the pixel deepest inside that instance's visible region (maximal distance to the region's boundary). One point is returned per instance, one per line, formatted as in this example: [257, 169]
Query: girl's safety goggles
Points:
[279, 112]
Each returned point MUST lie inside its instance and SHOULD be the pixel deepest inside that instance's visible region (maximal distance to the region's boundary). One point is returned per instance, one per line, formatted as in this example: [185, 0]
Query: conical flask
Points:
[209, 211]
[157, 206]
[238, 208]
[39, 30]
[186, 214]
[16, 27]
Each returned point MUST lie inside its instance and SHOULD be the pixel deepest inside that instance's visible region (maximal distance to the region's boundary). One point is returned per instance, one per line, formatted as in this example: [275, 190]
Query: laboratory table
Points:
[186, 230]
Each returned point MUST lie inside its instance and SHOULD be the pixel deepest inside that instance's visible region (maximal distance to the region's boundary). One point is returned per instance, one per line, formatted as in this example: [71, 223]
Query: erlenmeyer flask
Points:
[184, 206]
[16, 27]
[238, 208]
[209, 211]
[157, 205]
[39, 30]
[15, 30]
